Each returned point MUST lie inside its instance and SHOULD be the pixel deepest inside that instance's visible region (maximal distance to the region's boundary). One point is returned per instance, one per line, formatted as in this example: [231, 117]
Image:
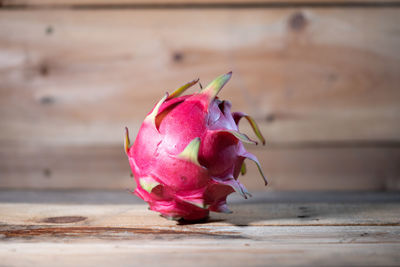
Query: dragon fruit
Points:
[189, 152]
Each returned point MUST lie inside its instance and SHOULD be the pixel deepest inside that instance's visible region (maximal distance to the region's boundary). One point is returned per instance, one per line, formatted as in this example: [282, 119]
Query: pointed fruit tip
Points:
[256, 129]
[152, 116]
[191, 151]
[148, 183]
[234, 184]
[243, 169]
[255, 160]
[199, 204]
[240, 136]
[238, 115]
[182, 89]
[126, 141]
[214, 87]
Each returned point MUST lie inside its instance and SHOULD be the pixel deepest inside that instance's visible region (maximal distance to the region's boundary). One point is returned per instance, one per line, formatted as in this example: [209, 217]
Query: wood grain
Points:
[252, 214]
[309, 234]
[317, 75]
[300, 252]
[322, 83]
[286, 169]
[179, 3]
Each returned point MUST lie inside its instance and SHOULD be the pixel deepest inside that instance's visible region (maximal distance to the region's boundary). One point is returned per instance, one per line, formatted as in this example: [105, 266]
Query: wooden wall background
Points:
[322, 78]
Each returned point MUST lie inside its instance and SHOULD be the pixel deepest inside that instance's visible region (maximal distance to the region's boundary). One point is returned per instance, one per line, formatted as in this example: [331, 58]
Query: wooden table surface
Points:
[104, 228]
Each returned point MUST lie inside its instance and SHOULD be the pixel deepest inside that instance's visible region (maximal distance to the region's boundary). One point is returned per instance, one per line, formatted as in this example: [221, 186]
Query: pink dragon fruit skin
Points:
[189, 153]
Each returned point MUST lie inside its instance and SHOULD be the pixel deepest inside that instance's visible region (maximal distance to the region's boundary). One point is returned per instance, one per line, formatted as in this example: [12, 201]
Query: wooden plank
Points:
[217, 253]
[266, 209]
[364, 233]
[71, 80]
[176, 3]
[101, 197]
[315, 75]
[368, 210]
[253, 214]
[287, 169]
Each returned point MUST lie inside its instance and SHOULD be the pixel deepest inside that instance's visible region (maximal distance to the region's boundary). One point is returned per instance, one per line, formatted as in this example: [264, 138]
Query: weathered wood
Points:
[313, 234]
[315, 75]
[286, 169]
[335, 251]
[255, 214]
[178, 3]
[71, 80]
[101, 197]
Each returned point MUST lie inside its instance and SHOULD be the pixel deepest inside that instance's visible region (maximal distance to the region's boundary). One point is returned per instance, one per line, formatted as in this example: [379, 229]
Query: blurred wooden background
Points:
[321, 77]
